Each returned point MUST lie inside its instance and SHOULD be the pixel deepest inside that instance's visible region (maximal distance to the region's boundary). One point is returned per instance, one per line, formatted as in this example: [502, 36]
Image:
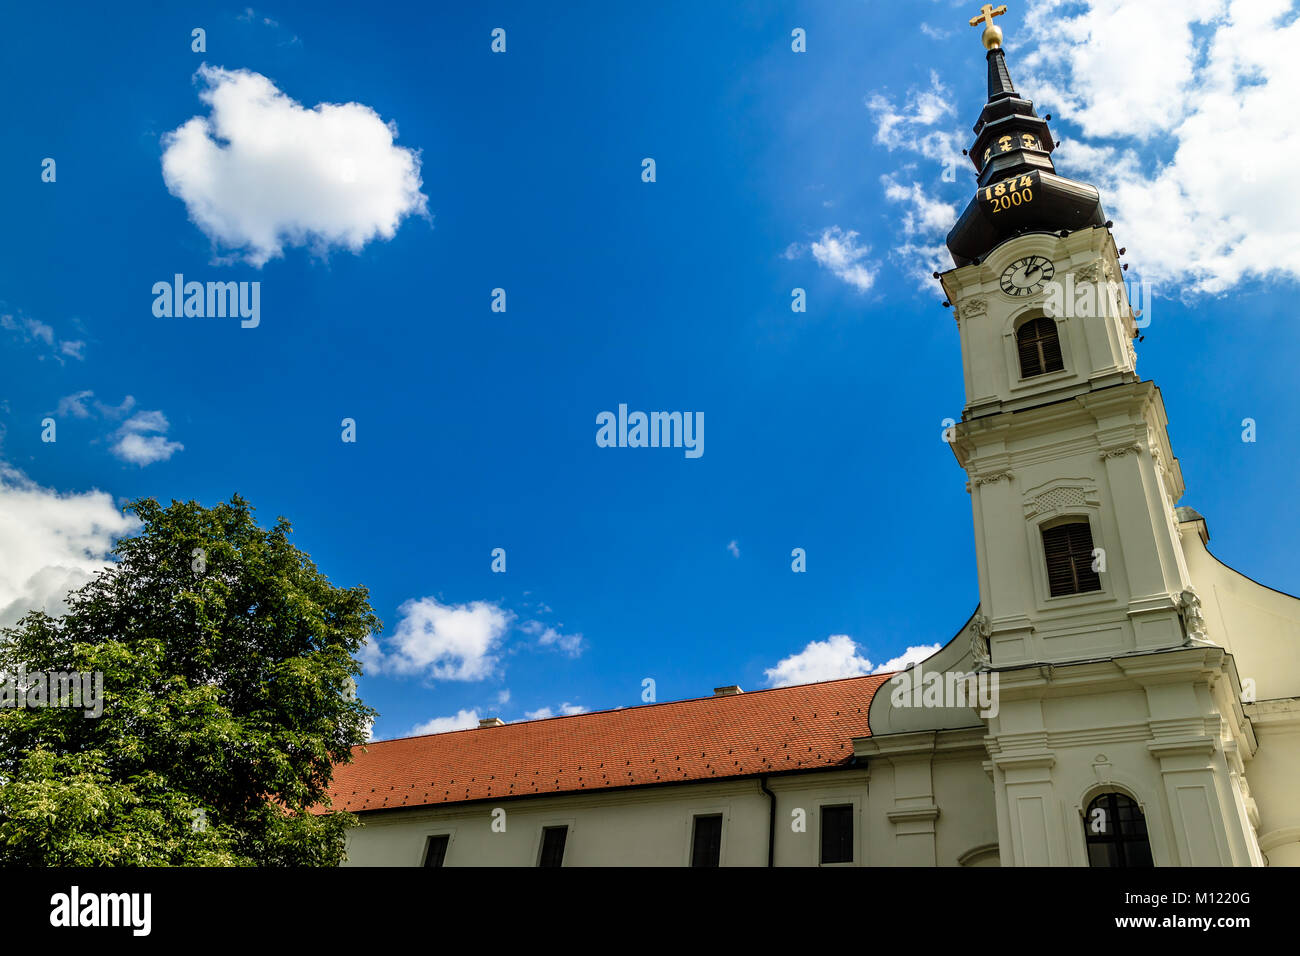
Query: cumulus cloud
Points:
[838, 251]
[734, 548]
[261, 172]
[1191, 140]
[53, 543]
[442, 641]
[142, 439]
[836, 657]
[909, 657]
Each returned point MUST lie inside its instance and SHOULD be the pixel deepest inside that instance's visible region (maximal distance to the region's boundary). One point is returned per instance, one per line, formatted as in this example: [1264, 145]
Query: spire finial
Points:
[992, 36]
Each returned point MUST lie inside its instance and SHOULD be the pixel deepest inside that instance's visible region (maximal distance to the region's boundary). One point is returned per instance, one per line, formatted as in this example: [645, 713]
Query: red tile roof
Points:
[806, 727]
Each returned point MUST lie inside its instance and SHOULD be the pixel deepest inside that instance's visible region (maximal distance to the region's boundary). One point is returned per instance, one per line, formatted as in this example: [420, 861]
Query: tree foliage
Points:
[228, 696]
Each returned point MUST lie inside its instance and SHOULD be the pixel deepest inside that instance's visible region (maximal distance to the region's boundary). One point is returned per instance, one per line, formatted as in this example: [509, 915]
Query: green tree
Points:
[229, 694]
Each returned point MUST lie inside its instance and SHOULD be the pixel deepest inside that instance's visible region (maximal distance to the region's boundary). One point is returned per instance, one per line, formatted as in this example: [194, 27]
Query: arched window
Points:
[1116, 832]
[1067, 548]
[1039, 346]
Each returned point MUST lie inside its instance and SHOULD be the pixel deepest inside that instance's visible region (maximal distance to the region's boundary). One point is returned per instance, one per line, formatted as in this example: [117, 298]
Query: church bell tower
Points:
[1087, 613]
[1071, 476]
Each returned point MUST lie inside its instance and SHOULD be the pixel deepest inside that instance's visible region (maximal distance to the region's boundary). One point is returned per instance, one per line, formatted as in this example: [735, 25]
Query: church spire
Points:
[1019, 190]
[999, 76]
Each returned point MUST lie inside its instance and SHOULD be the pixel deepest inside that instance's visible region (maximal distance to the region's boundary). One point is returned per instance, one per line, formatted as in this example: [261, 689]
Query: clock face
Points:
[1027, 276]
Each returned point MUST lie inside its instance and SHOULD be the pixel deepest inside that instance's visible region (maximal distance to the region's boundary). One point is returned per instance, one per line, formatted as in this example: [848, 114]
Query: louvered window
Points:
[1068, 550]
[1040, 347]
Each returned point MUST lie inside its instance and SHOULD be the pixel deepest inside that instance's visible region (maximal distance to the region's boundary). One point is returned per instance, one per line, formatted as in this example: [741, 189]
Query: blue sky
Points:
[775, 170]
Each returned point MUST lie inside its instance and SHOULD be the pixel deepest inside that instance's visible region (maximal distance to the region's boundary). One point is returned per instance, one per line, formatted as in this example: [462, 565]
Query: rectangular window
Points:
[436, 852]
[837, 834]
[553, 846]
[706, 843]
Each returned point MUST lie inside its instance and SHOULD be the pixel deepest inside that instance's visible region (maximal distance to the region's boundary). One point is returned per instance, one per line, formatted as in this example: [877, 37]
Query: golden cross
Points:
[992, 36]
[987, 13]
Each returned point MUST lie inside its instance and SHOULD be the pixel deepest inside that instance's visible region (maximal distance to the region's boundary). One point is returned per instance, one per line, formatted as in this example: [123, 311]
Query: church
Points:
[1119, 697]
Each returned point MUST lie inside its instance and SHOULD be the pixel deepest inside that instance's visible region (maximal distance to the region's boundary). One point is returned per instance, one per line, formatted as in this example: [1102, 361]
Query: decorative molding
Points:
[1159, 461]
[975, 852]
[1108, 268]
[1102, 768]
[1060, 495]
[1089, 273]
[1120, 452]
[993, 478]
[913, 814]
[1181, 747]
[972, 308]
[1280, 837]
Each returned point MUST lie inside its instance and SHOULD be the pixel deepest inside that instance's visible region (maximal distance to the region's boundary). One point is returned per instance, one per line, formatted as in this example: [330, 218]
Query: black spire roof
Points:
[1019, 190]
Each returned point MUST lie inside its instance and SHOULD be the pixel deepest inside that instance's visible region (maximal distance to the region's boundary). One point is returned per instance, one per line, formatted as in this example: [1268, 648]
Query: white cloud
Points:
[910, 656]
[547, 636]
[442, 641]
[926, 216]
[463, 720]
[33, 331]
[261, 172]
[910, 127]
[53, 543]
[835, 657]
[926, 222]
[74, 405]
[1191, 139]
[838, 251]
[142, 439]
[566, 710]
[115, 411]
[504, 696]
[734, 548]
